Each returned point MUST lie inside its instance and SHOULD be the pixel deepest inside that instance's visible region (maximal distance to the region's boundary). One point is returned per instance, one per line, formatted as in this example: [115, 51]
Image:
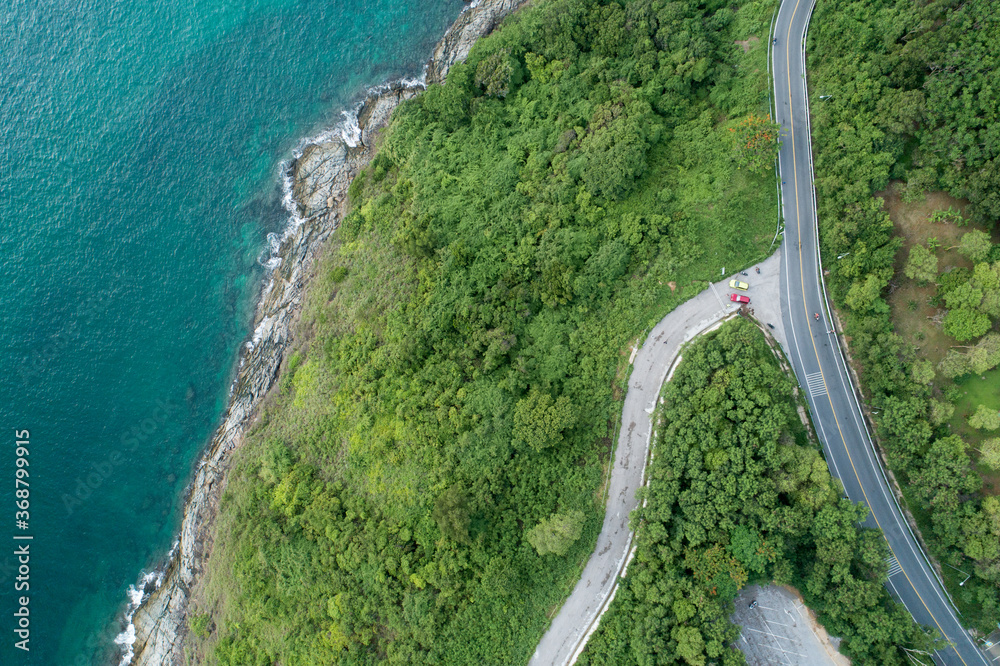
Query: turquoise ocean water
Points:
[138, 180]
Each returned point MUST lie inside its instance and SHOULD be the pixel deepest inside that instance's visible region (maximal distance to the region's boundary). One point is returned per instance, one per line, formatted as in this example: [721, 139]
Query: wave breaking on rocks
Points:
[315, 185]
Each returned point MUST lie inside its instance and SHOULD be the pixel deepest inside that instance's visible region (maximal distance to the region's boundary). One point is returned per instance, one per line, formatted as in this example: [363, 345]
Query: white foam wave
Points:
[347, 130]
[287, 194]
[350, 131]
[258, 333]
[137, 594]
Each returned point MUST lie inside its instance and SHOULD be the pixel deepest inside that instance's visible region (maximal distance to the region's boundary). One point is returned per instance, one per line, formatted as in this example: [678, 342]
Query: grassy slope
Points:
[476, 271]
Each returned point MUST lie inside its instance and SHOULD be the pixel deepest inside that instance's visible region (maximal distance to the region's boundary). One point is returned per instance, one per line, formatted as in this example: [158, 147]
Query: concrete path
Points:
[577, 618]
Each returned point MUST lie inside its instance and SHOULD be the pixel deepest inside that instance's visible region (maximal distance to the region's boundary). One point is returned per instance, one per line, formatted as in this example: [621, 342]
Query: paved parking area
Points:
[779, 631]
[992, 647]
[765, 295]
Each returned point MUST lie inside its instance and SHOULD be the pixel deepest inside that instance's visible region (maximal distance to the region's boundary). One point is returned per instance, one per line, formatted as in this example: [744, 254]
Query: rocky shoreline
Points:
[320, 178]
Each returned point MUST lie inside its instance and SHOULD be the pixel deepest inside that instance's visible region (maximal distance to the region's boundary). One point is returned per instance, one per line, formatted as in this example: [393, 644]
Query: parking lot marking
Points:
[782, 651]
[776, 642]
[769, 633]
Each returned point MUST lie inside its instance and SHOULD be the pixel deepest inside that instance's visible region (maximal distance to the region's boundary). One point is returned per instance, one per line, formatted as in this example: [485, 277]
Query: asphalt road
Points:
[817, 359]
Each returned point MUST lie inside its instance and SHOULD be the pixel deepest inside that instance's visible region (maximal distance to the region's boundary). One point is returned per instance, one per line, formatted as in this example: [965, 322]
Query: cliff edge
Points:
[320, 176]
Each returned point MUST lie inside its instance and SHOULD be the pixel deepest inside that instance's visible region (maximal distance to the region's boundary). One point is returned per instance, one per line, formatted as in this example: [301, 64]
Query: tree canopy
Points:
[909, 101]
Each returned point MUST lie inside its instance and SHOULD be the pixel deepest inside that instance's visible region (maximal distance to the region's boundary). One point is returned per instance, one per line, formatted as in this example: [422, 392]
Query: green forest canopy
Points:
[428, 482]
[910, 88]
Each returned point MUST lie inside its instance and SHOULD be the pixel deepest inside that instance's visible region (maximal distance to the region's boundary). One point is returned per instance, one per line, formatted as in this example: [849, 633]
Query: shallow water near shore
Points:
[139, 179]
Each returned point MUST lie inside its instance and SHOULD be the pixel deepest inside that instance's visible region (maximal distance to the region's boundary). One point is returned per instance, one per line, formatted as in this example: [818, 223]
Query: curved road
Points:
[817, 359]
[569, 630]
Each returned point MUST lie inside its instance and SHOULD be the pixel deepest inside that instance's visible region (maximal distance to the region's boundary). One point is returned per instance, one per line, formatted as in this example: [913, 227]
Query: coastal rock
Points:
[479, 20]
[320, 176]
[317, 173]
[377, 110]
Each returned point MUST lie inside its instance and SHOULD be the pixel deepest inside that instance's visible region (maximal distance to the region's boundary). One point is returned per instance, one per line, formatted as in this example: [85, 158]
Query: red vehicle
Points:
[738, 298]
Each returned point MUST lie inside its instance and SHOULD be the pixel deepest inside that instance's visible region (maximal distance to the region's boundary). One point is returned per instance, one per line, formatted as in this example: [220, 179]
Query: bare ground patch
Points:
[747, 43]
[917, 321]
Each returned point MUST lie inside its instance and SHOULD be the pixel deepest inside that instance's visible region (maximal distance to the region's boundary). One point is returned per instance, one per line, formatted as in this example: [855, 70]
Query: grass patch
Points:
[917, 325]
[977, 390]
[912, 223]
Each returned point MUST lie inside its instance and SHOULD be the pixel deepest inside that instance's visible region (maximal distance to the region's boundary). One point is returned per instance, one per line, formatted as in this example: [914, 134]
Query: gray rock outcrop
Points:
[320, 176]
[480, 19]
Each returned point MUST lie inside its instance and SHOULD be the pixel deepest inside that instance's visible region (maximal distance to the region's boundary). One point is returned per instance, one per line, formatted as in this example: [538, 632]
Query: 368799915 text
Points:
[22, 539]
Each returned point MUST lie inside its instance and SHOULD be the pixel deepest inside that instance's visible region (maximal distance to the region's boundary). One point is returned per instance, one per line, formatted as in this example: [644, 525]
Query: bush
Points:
[556, 533]
[199, 624]
[985, 418]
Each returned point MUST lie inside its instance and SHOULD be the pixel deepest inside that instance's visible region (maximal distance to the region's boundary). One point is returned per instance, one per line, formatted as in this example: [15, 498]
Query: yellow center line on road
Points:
[798, 226]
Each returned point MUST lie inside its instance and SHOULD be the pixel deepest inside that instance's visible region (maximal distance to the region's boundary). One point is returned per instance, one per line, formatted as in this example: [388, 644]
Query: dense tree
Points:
[990, 453]
[922, 265]
[954, 364]
[755, 142]
[460, 344]
[733, 499]
[539, 421]
[966, 323]
[985, 418]
[975, 245]
[865, 295]
[985, 355]
[923, 372]
[451, 513]
[973, 298]
[908, 85]
[556, 533]
[613, 152]
[495, 72]
[940, 412]
[690, 645]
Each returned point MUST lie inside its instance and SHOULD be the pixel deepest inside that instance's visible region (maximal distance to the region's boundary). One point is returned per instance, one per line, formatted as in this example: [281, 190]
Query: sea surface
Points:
[140, 145]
